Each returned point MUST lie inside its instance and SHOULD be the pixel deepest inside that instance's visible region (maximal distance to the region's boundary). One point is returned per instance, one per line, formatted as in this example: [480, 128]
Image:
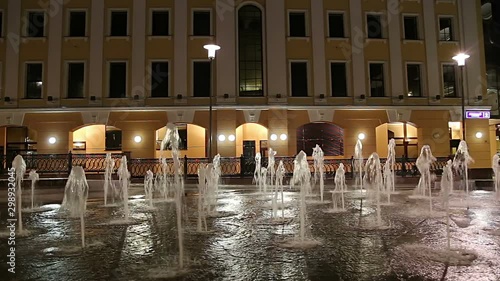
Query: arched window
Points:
[328, 136]
[250, 51]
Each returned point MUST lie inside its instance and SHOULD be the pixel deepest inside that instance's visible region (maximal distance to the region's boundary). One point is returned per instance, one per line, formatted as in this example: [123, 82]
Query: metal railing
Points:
[61, 165]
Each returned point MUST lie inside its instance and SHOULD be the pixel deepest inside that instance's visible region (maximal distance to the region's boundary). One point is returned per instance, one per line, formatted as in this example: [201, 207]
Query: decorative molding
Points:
[251, 116]
[181, 116]
[321, 115]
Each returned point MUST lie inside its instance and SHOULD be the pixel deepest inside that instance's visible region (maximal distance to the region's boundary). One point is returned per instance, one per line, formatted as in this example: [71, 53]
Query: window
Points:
[117, 79]
[1, 24]
[76, 80]
[202, 23]
[36, 24]
[77, 23]
[159, 79]
[202, 79]
[298, 79]
[297, 24]
[411, 28]
[34, 80]
[113, 138]
[449, 81]
[413, 80]
[160, 23]
[446, 29]
[374, 26]
[250, 51]
[328, 136]
[336, 25]
[338, 79]
[119, 23]
[377, 87]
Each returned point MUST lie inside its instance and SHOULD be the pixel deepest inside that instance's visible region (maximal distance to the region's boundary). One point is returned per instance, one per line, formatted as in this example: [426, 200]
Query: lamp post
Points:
[211, 48]
[460, 59]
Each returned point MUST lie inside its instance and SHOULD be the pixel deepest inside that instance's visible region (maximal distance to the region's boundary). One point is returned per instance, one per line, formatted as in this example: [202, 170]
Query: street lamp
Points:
[460, 59]
[211, 48]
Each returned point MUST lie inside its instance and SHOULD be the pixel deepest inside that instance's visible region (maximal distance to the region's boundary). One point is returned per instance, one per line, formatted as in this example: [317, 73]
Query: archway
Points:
[192, 141]
[328, 136]
[250, 139]
[96, 139]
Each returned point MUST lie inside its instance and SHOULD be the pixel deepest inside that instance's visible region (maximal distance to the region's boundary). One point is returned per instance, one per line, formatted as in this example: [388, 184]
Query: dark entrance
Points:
[248, 158]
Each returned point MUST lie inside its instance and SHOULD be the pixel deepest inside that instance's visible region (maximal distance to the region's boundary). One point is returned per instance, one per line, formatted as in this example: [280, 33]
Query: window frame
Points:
[419, 29]
[110, 22]
[211, 77]
[383, 30]
[384, 80]
[150, 84]
[306, 23]
[453, 33]
[25, 88]
[209, 10]
[344, 23]
[150, 24]
[68, 22]
[2, 33]
[66, 77]
[456, 90]
[308, 79]
[422, 79]
[27, 14]
[347, 76]
[108, 77]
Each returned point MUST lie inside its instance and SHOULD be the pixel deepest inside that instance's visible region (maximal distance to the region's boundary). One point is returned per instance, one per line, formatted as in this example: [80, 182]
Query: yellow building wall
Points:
[433, 131]
[226, 125]
[479, 149]
[382, 136]
[278, 124]
[196, 142]
[493, 140]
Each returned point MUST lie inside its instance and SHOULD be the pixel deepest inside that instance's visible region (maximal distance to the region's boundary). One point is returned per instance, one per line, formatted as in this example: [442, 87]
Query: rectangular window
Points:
[201, 23]
[413, 80]
[34, 80]
[297, 24]
[449, 81]
[377, 85]
[76, 80]
[338, 79]
[1, 24]
[117, 79]
[159, 79]
[336, 25]
[119, 23]
[374, 26]
[36, 24]
[298, 79]
[202, 79]
[113, 138]
[411, 28]
[160, 23]
[77, 23]
[446, 29]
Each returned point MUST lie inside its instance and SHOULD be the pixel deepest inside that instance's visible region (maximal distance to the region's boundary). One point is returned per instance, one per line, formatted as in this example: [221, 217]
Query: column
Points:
[357, 45]
[12, 50]
[96, 49]
[318, 44]
[225, 62]
[139, 48]
[54, 56]
[180, 47]
[430, 28]
[276, 48]
[396, 62]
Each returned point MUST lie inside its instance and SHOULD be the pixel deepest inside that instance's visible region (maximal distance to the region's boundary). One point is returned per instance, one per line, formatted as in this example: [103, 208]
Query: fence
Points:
[61, 164]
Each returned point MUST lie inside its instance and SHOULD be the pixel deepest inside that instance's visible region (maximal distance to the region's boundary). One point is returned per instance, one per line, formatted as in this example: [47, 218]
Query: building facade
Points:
[91, 76]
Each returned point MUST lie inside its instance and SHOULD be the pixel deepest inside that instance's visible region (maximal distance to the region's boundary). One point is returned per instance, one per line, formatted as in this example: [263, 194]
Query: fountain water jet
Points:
[149, 188]
[124, 179]
[256, 173]
[319, 167]
[461, 162]
[33, 177]
[389, 184]
[203, 174]
[75, 197]
[109, 165]
[424, 186]
[446, 188]
[358, 163]
[270, 166]
[302, 177]
[172, 141]
[373, 180]
[496, 172]
[280, 174]
[20, 168]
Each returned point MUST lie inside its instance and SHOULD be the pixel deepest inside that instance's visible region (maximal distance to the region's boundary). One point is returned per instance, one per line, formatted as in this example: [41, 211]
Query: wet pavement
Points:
[245, 244]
